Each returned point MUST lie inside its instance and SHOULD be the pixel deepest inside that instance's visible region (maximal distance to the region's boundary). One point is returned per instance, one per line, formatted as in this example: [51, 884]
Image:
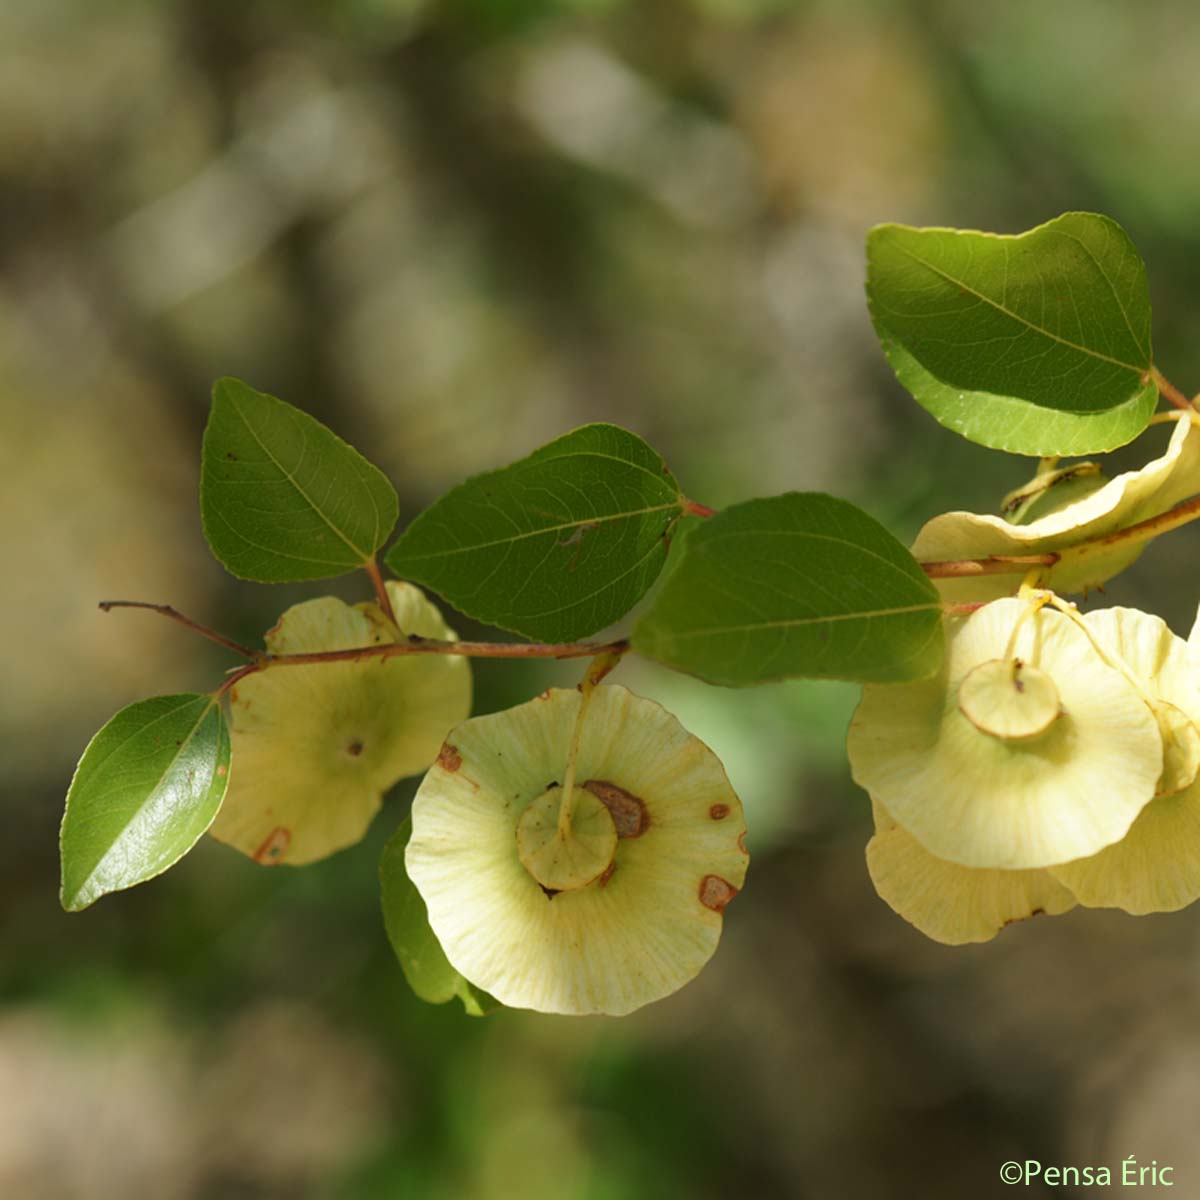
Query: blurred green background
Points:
[453, 231]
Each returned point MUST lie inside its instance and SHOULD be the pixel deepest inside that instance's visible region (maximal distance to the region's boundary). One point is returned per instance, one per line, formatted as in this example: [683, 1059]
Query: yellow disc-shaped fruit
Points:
[640, 930]
[950, 903]
[1009, 699]
[1155, 867]
[1181, 749]
[315, 747]
[983, 801]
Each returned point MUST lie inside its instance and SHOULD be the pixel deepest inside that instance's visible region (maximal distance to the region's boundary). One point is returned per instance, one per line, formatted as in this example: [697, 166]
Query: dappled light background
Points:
[453, 231]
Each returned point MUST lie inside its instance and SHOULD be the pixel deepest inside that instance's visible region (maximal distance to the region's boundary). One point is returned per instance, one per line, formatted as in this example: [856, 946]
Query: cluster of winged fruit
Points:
[624, 909]
[1053, 759]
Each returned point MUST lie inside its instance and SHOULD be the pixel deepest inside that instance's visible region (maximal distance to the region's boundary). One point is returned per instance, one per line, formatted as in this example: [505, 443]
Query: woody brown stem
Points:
[993, 564]
[416, 645]
[1143, 531]
[381, 592]
[413, 645]
[1169, 391]
[167, 611]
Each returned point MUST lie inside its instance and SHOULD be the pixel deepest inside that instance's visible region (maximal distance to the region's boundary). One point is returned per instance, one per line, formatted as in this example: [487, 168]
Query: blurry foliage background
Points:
[453, 231]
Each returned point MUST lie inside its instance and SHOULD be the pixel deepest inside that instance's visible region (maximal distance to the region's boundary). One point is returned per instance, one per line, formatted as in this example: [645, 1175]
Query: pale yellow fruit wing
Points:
[952, 904]
[980, 801]
[1167, 667]
[1128, 498]
[1154, 868]
[315, 747]
[1181, 750]
[640, 931]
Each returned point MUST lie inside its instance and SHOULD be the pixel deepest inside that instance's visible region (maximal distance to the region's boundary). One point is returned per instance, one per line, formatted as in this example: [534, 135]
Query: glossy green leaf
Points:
[422, 959]
[283, 498]
[148, 785]
[555, 546]
[1036, 344]
[800, 584]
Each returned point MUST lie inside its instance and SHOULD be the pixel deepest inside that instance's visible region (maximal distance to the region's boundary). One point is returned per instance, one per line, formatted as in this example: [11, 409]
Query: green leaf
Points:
[1035, 344]
[148, 785]
[422, 959]
[555, 546]
[799, 584]
[283, 498]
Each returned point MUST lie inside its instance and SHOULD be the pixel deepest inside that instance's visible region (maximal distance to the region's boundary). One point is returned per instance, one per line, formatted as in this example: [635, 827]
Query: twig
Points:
[186, 622]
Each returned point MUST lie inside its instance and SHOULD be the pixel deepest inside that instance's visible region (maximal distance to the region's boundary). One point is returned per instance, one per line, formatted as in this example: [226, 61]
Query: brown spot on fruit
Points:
[716, 893]
[449, 758]
[1037, 912]
[276, 843]
[742, 842]
[719, 812]
[222, 771]
[608, 872]
[355, 748]
[628, 812]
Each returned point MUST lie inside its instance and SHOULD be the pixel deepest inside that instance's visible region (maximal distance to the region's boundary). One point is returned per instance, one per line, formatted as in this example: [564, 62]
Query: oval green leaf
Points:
[555, 546]
[421, 957]
[796, 585]
[1036, 344]
[147, 787]
[282, 497]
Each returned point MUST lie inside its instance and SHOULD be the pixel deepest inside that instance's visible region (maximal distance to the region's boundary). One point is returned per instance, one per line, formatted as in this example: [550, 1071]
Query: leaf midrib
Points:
[1013, 316]
[707, 539]
[517, 537]
[363, 554]
[166, 771]
[716, 630]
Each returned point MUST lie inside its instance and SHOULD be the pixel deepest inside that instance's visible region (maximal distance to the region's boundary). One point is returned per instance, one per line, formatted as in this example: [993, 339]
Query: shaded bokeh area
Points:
[453, 231]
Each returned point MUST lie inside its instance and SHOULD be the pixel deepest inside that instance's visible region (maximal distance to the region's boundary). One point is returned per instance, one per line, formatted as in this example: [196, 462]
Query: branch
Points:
[413, 645]
[186, 622]
[1143, 531]
[418, 645]
[1167, 389]
[381, 593]
[993, 564]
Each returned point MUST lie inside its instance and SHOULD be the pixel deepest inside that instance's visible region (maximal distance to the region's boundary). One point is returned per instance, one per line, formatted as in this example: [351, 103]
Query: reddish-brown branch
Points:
[964, 610]
[692, 508]
[413, 645]
[186, 622]
[1167, 389]
[994, 564]
[235, 676]
[1143, 531]
[417, 645]
[608, 654]
[381, 593]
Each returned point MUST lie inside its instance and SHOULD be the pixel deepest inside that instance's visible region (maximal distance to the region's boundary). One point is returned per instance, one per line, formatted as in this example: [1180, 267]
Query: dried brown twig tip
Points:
[175, 615]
